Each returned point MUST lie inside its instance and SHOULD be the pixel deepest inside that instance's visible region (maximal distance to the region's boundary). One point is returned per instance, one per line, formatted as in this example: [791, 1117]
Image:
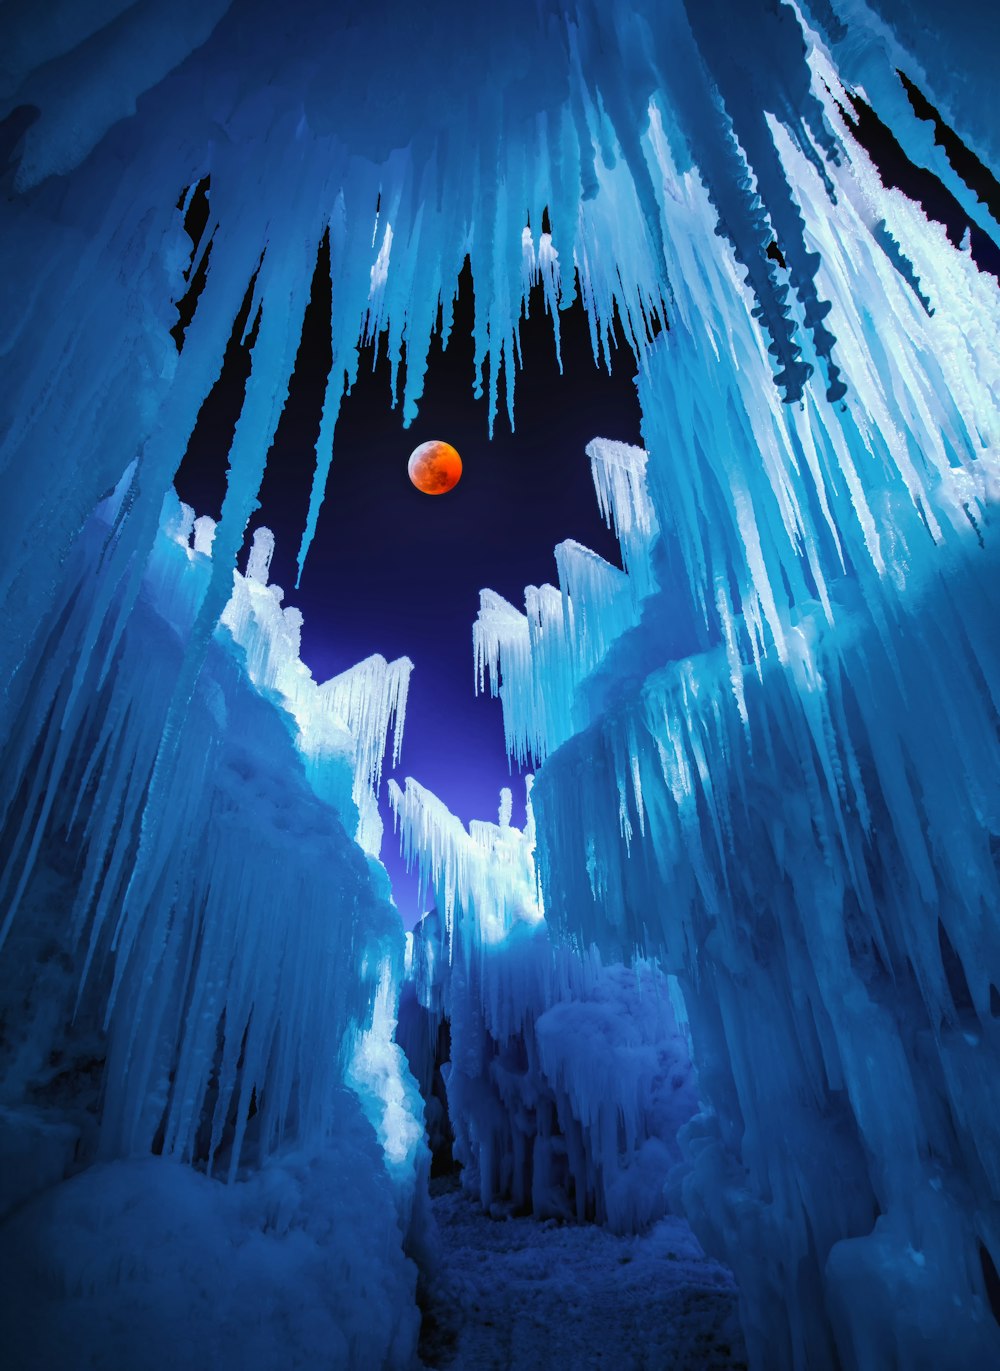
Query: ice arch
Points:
[788, 716]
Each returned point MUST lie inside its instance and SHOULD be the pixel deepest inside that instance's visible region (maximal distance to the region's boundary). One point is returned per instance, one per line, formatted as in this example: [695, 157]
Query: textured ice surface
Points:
[191, 982]
[344, 722]
[782, 782]
[214, 962]
[536, 661]
[768, 755]
[802, 844]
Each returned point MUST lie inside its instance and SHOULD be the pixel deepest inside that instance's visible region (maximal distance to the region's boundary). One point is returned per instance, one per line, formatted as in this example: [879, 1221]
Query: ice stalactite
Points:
[536, 661]
[349, 717]
[791, 800]
[190, 1052]
[397, 204]
[487, 871]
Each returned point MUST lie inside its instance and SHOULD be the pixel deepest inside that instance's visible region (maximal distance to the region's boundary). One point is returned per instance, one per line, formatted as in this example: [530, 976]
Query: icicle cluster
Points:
[792, 766]
[216, 941]
[347, 718]
[619, 475]
[536, 661]
[298, 159]
[789, 740]
[487, 871]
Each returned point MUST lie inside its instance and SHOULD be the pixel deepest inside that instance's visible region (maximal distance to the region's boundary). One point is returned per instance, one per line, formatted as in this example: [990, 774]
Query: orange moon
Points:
[435, 467]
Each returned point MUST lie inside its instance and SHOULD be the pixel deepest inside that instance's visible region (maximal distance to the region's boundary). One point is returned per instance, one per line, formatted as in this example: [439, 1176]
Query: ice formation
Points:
[200, 982]
[567, 1080]
[767, 750]
[795, 825]
[536, 661]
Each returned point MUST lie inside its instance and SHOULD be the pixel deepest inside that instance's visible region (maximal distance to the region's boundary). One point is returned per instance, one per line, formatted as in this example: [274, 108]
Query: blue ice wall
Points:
[176, 916]
[791, 796]
[567, 1078]
[199, 975]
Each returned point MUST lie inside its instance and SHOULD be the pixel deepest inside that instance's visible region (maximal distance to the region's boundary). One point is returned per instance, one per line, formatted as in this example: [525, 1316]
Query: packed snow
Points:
[516, 1295]
[147, 1263]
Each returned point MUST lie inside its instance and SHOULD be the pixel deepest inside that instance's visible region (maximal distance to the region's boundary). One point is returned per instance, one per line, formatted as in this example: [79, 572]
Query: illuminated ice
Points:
[766, 750]
[568, 1079]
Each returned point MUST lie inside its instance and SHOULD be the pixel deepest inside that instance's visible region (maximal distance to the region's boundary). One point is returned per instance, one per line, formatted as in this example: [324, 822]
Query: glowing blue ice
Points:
[768, 750]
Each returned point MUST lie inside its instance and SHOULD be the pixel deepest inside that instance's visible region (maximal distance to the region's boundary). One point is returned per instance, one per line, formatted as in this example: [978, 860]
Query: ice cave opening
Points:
[693, 1062]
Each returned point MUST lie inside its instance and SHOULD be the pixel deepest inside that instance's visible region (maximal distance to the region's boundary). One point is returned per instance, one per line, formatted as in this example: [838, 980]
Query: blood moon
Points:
[435, 467]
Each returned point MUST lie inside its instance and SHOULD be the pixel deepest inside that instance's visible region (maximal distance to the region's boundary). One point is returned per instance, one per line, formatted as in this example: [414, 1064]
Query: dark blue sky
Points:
[398, 572]
[394, 571]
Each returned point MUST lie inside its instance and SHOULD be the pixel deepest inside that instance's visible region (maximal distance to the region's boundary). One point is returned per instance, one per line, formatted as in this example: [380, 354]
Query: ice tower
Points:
[767, 752]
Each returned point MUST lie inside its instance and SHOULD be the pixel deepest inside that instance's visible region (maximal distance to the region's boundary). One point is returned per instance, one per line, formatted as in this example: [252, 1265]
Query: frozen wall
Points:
[144, 1262]
[316, 137]
[198, 959]
[567, 1079]
[791, 797]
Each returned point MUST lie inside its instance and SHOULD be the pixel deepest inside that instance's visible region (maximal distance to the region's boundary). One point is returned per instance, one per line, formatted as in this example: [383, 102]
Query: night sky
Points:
[397, 572]
[394, 571]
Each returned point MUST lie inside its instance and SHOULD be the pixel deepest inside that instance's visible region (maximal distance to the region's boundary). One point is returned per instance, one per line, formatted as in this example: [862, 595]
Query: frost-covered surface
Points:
[515, 1295]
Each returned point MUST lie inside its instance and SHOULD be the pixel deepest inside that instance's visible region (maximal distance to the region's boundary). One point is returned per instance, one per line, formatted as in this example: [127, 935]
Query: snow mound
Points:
[148, 1263]
[516, 1295]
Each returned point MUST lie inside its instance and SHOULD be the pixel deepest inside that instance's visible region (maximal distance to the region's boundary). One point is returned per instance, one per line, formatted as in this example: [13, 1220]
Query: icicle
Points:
[259, 558]
[538, 661]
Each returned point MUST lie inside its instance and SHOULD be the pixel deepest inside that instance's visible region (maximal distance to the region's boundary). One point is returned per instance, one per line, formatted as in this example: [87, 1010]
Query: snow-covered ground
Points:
[516, 1294]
